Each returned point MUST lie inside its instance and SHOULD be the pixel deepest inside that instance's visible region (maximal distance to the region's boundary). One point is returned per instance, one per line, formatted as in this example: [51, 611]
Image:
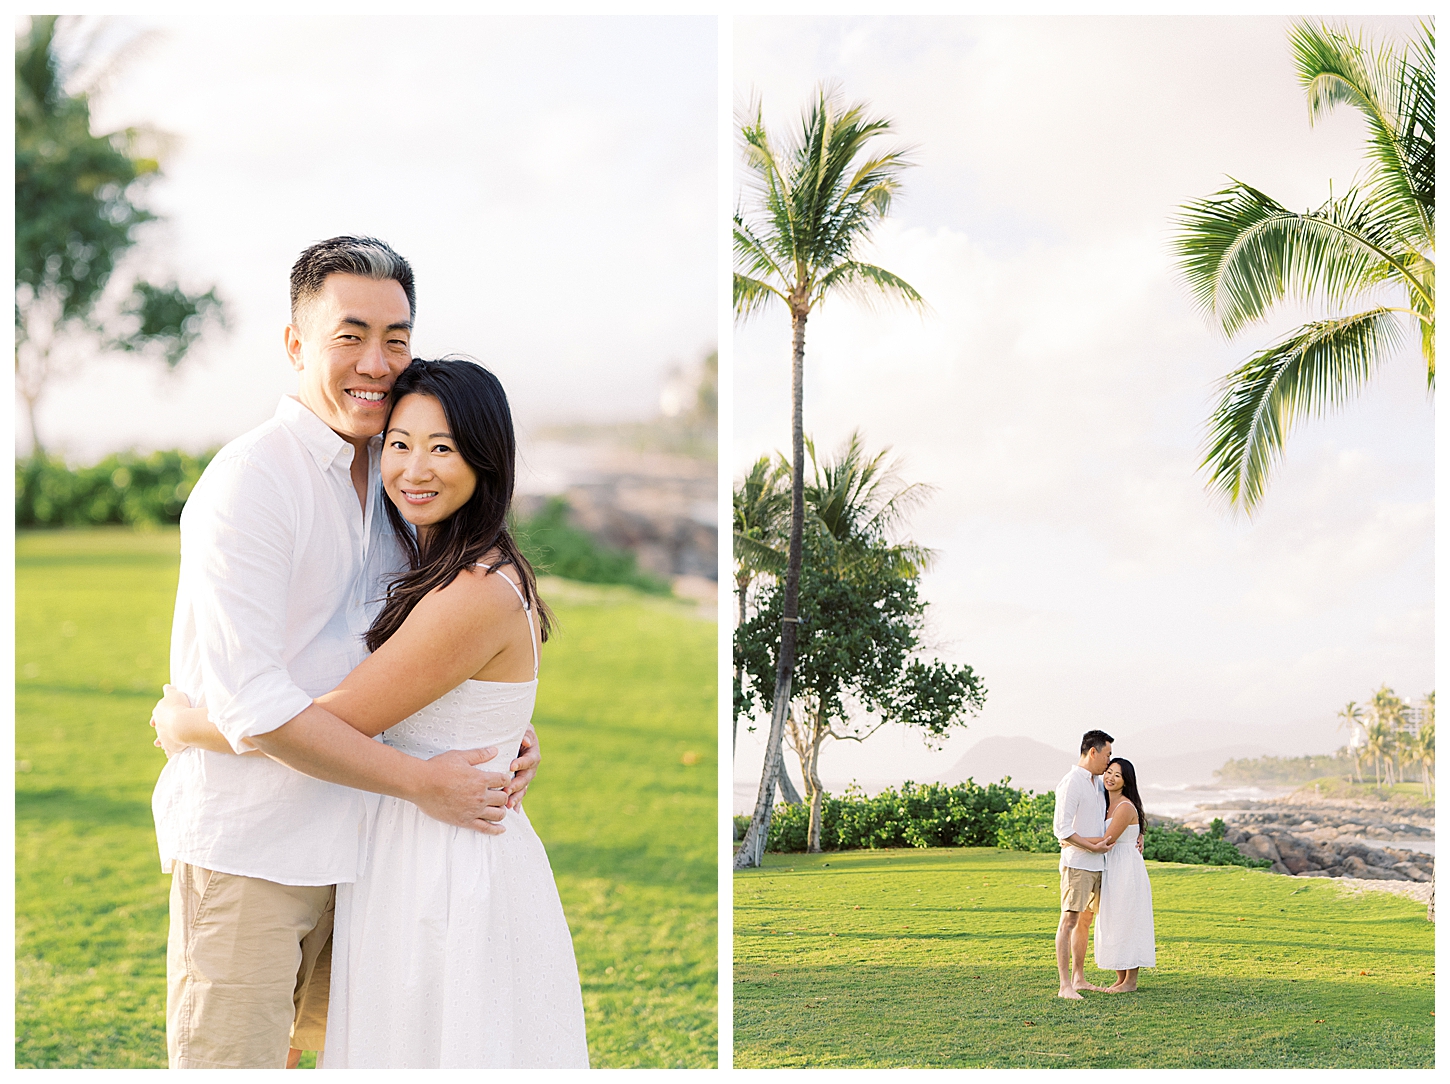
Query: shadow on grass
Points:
[82, 808]
[634, 864]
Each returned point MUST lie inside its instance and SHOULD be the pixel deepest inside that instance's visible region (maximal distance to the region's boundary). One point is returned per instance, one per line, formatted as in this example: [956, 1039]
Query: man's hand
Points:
[164, 717]
[457, 793]
[525, 767]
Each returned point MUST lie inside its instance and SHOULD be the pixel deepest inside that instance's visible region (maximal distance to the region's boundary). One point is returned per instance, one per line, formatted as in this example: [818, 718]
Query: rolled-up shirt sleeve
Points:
[1064, 811]
[237, 553]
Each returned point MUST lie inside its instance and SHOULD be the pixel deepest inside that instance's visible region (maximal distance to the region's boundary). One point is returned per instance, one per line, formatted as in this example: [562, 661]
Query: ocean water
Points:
[1182, 800]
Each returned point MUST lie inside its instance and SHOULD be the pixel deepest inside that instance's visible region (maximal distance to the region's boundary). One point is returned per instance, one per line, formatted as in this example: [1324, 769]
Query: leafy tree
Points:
[855, 667]
[815, 200]
[75, 218]
[1242, 253]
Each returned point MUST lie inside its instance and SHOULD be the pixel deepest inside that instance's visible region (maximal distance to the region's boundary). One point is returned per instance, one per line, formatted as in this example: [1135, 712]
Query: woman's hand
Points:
[166, 718]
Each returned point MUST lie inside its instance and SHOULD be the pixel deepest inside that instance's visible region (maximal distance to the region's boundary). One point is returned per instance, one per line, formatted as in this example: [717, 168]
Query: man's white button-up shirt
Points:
[282, 571]
[1082, 810]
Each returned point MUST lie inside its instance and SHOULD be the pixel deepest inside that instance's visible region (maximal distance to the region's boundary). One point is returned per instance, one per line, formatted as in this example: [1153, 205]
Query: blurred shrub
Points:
[557, 548]
[125, 488]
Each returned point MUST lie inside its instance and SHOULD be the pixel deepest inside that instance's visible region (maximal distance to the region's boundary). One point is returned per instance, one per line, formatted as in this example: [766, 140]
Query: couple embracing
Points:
[355, 653]
[1099, 821]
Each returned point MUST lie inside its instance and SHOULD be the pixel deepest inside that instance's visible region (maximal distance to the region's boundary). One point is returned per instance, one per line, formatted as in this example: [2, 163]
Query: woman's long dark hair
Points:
[478, 416]
[1130, 788]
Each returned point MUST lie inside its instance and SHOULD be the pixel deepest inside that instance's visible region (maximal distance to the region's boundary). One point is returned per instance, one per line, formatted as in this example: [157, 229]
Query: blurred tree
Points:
[75, 218]
[816, 199]
[1242, 253]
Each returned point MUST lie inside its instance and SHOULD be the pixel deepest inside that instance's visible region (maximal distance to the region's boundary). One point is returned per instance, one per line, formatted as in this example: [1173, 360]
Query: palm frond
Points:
[757, 555]
[1390, 90]
[750, 295]
[1242, 252]
[1316, 368]
[867, 283]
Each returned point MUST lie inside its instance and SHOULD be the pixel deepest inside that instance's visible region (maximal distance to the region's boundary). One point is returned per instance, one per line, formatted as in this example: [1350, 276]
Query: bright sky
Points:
[552, 182]
[1056, 393]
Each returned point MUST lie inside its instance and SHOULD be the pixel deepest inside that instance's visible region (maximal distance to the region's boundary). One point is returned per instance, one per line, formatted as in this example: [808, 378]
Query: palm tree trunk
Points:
[752, 850]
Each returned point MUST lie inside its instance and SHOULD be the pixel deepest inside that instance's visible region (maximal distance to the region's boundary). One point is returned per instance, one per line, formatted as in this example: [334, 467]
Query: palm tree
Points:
[761, 513]
[856, 498]
[1242, 253]
[1351, 717]
[1423, 750]
[1376, 742]
[816, 199]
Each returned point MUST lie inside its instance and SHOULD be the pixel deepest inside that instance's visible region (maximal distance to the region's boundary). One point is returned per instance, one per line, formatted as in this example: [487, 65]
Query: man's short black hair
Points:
[1095, 739]
[364, 256]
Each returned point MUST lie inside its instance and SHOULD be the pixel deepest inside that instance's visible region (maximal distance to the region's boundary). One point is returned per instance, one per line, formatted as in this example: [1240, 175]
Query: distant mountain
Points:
[1031, 764]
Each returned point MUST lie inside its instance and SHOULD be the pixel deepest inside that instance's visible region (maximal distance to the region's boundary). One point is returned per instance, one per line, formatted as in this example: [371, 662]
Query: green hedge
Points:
[917, 815]
[125, 488]
[968, 815]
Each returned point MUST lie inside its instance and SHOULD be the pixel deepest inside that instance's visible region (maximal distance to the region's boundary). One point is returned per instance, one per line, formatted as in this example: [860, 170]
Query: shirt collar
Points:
[324, 445]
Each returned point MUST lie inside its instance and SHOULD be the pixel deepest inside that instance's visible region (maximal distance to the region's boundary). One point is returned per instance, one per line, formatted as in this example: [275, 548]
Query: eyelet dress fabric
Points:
[451, 949]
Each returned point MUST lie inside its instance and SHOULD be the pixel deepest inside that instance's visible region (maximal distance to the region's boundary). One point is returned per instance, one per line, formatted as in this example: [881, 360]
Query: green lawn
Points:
[625, 803]
[945, 958]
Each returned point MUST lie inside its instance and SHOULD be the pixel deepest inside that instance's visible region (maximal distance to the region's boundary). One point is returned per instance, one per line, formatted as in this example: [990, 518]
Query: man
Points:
[284, 558]
[1078, 817]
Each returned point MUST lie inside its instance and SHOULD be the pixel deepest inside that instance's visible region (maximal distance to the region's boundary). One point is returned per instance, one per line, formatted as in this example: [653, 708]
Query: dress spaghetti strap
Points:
[528, 615]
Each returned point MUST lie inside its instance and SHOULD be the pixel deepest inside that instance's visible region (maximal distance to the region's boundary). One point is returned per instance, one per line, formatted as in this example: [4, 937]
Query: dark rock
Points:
[1260, 846]
[1380, 873]
[1353, 866]
[1411, 871]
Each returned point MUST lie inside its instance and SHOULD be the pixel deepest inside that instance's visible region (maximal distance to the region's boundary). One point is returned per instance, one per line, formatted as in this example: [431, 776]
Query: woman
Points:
[1123, 933]
[451, 949]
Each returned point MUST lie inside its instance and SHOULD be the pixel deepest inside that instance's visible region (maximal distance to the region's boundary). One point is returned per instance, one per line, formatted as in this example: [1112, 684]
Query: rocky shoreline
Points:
[1306, 836]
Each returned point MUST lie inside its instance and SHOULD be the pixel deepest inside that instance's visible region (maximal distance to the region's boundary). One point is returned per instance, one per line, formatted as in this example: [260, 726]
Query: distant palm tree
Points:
[1388, 711]
[1242, 253]
[1377, 740]
[1351, 717]
[815, 201]
[858, 500]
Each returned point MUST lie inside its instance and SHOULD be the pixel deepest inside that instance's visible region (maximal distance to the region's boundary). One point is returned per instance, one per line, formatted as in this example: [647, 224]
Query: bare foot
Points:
[1119, 988]
[1070, 994]
[1083, 984]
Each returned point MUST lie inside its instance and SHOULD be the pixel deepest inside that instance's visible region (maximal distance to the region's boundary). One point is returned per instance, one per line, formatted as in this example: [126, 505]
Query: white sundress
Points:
[451, 949]
[1123, 931]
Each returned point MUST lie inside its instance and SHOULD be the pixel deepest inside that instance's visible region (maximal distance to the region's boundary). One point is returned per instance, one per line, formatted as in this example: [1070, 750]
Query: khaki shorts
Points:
[1080, 888]
[247, 968]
